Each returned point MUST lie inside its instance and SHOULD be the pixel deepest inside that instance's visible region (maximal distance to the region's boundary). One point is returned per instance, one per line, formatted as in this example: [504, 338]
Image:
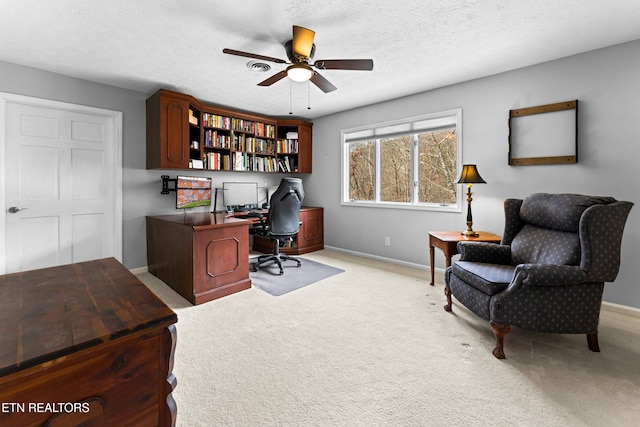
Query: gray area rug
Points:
[269, 280]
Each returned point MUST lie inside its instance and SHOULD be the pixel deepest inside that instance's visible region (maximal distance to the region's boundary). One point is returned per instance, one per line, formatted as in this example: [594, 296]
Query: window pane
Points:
[362, 170]
[395, 169]
[437, 166]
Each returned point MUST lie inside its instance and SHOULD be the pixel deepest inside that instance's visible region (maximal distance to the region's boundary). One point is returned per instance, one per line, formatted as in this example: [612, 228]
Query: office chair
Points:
[282, 222]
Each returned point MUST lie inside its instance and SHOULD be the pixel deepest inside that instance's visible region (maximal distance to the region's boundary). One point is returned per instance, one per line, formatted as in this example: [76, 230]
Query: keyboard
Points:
[249, 215]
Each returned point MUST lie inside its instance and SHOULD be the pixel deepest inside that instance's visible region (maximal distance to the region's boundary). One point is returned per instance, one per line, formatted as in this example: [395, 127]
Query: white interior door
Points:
[62, 178]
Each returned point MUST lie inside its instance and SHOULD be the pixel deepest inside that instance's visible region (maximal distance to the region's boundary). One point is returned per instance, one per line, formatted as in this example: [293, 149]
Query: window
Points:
[407, 164]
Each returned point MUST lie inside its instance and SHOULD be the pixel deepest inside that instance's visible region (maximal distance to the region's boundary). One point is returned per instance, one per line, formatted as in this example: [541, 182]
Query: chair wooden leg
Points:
[592, 341]
[447, 292]
[499, 331]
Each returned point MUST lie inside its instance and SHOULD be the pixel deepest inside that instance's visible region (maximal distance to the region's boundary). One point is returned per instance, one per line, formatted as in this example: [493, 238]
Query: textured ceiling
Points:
[416, 45]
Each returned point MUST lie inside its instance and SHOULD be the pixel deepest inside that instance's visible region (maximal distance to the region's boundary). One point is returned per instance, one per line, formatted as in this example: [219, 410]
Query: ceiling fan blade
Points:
[253, 55]
[324, 84]
[302, 41]
[275, 78]
[344, 64]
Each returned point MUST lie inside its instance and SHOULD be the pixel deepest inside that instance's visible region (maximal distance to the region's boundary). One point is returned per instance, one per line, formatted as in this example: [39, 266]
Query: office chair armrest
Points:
[484, 252]
[261, 228]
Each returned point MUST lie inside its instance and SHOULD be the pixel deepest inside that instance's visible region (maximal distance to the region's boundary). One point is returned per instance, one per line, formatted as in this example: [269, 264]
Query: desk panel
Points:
[201, 256]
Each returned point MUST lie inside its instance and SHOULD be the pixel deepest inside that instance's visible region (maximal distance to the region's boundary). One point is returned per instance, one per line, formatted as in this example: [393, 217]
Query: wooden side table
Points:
[447, 241]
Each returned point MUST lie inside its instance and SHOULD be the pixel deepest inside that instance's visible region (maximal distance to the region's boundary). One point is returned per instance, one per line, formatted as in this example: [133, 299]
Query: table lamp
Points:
[469, 175]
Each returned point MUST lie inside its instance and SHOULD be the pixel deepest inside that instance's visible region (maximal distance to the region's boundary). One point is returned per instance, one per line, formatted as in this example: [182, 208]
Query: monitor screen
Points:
[192, 191]
[240, 194]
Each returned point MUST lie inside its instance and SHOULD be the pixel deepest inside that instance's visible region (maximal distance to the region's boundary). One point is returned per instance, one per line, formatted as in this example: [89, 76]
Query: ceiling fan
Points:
[300, 51]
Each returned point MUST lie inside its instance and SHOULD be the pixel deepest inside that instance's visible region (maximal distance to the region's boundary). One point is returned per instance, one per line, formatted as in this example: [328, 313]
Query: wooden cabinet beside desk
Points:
[202, 256]
[85, 344]
[310, 237]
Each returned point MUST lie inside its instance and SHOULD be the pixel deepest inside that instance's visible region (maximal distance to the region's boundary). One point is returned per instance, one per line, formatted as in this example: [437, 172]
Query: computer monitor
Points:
[192, 191]
[240, 196]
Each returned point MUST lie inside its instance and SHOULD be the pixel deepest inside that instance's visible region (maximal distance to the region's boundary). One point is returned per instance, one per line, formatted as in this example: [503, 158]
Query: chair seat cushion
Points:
[487, 278]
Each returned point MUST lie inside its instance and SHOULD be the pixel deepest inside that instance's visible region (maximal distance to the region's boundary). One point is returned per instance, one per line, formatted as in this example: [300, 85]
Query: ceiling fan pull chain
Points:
[290, 97]
[308, 95]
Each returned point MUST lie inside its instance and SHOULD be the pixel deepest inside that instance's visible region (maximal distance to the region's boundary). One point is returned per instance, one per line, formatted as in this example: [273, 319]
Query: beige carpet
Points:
[373, 347]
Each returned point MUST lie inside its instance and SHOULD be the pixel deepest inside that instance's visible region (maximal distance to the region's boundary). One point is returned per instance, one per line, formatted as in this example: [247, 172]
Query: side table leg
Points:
[431, 256]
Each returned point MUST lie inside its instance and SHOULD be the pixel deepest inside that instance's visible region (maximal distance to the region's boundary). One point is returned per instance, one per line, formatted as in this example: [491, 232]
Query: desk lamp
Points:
[469, 175]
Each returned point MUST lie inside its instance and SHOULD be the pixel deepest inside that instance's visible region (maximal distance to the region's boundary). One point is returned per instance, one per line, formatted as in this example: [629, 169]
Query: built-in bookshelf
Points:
[221, 139]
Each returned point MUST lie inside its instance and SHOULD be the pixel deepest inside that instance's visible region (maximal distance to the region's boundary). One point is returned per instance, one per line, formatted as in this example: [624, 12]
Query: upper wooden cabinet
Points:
[183, 133]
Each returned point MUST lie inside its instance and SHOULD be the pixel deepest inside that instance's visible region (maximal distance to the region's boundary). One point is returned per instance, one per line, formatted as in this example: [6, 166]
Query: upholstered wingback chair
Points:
[548, 273]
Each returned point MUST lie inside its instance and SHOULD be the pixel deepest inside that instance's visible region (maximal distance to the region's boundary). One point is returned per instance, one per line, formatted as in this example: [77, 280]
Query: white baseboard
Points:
[623, 309]
[140, 270]
[378, 258]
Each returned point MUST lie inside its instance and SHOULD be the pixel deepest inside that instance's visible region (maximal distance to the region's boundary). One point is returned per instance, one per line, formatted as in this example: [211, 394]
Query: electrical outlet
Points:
[387, 241]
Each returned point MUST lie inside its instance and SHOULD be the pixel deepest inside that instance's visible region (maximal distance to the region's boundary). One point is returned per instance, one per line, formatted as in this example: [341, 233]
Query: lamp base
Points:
[469, 233]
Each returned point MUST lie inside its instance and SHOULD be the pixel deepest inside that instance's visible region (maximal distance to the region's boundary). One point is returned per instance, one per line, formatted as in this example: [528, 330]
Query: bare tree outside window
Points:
[362, 170]
[395, 169]
[438, 151]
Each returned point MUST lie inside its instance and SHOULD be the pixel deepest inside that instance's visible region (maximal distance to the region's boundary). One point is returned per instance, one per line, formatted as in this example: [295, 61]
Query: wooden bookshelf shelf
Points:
[183, 133]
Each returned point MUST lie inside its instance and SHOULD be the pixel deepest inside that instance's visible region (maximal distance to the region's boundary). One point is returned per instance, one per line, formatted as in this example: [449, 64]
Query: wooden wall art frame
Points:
[546, 129]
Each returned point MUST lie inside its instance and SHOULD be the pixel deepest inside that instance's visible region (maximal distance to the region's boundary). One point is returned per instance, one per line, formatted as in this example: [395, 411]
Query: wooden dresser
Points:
[85, 344]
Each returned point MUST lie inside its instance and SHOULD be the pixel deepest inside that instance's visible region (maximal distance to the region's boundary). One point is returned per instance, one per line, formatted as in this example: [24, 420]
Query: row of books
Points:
[263, 129]
[287, 164]
[241, 125]
[253, 145]
[287, 146]
[248, 162]
[215, 121]
[217, 161]
[242, 142]
[213, 139]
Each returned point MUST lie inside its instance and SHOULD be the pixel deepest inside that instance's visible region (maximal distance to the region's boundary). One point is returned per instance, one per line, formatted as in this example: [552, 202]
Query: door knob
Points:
[15, 209]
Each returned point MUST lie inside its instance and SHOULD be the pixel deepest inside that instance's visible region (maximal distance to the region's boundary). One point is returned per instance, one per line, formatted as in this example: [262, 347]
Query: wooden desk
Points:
[85, 344]
[448, 240]
[202, 256]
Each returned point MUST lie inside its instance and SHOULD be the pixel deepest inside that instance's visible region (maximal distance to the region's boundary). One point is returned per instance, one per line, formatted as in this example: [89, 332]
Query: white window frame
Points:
[377, 131]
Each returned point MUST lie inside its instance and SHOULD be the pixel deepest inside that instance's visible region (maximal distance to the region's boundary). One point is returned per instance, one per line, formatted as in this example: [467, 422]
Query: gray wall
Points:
[606, 84]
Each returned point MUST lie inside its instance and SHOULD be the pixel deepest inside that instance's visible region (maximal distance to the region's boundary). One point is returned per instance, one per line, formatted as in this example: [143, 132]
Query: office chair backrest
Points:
[284, 209]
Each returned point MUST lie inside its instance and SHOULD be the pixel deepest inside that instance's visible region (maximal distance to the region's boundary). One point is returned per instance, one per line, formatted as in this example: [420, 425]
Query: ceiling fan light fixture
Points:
[299, 72]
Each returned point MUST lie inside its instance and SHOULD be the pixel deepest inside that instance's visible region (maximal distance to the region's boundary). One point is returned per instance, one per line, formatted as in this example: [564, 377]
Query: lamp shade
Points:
[469, 175]
[299, 72]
